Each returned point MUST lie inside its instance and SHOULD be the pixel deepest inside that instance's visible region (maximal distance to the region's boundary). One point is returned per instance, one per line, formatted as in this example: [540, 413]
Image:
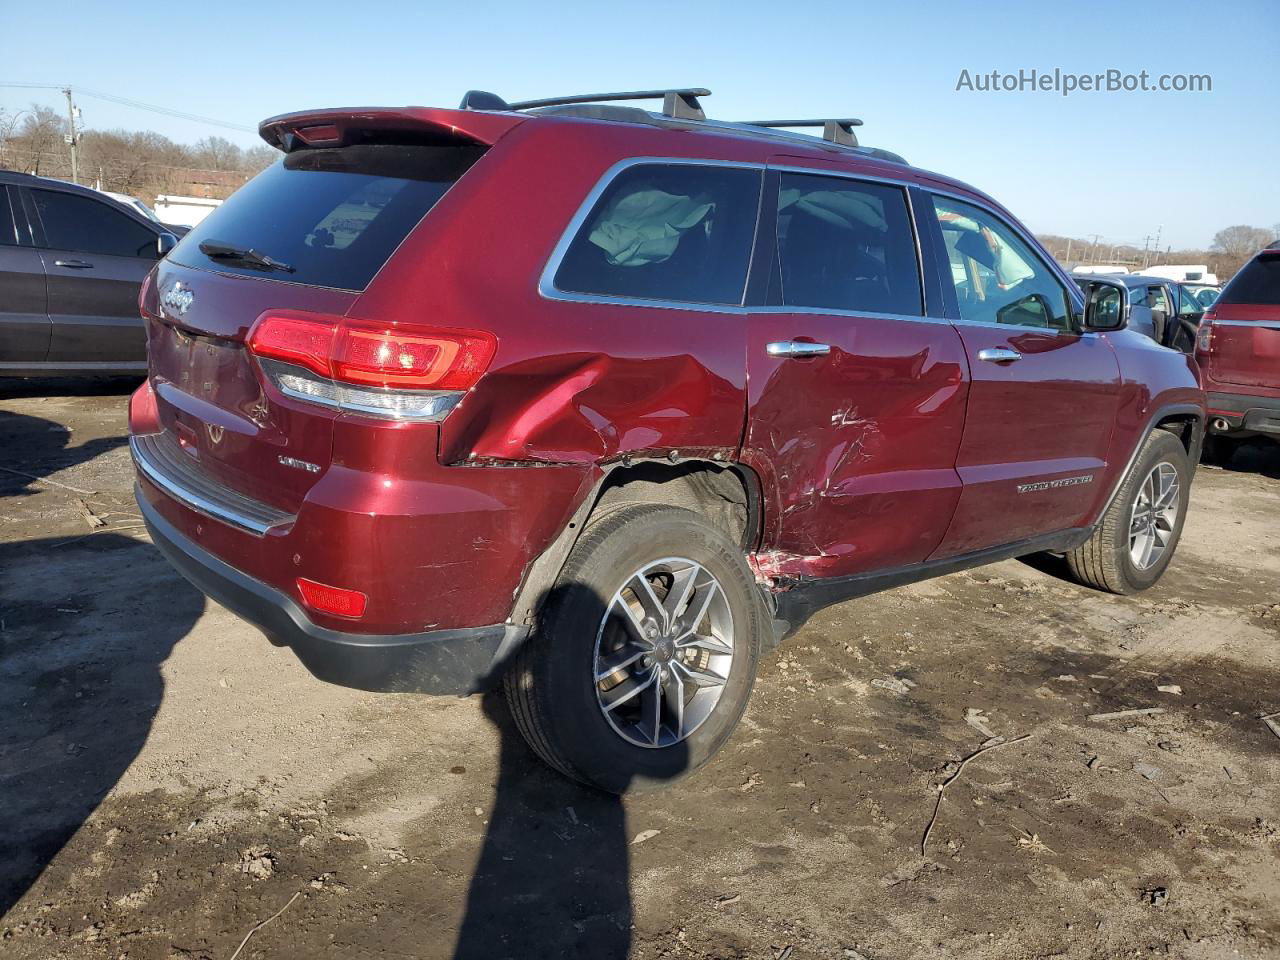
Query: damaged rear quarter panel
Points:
[573, 383]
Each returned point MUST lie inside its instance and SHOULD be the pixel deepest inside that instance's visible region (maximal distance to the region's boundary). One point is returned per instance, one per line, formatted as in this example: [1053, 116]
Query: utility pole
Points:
[1093, 249]
[72, 138]
[1156, 246]
[1068, 251]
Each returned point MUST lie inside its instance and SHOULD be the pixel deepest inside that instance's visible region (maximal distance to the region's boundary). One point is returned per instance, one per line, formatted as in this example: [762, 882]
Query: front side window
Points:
[846, 245]
[86, 225]
[667, 232]
[997, 277]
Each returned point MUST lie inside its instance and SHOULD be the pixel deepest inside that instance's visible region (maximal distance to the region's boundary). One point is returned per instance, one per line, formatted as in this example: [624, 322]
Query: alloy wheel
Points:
[1154, 514]
[664, 650]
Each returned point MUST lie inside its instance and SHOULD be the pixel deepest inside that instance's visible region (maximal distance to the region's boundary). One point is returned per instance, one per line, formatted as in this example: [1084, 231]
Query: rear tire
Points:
[706, 626]
[1137, 536]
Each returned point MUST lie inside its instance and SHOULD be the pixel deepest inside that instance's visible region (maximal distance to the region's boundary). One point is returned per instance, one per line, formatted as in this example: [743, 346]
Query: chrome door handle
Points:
[999, 355]
[797, 348]
[74, 264]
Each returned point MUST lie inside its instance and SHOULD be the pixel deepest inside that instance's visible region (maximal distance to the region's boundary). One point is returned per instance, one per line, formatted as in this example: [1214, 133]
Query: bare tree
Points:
[36, 141]
[1241, 241]
[217, 153]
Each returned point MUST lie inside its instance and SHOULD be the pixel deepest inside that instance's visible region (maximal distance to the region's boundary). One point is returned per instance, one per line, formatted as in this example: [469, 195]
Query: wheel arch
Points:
[1186, 421]
[728, 494]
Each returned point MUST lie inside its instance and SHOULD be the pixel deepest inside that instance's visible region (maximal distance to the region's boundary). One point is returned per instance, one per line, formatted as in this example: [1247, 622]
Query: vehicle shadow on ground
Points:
[18, 387]
[553, 877]
[32, 448]
[84, 632]
[1256, 456]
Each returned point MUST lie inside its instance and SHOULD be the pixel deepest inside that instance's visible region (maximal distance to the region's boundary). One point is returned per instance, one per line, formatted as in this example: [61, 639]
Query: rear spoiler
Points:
[335, 128]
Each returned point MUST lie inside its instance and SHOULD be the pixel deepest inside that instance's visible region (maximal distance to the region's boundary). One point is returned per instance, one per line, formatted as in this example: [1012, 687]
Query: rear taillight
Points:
[336, 601]
[149, 297]
[1204, 337]
[398, 371]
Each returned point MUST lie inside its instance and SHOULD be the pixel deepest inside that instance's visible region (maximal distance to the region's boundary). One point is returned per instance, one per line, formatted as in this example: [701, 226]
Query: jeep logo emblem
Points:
[178, 298]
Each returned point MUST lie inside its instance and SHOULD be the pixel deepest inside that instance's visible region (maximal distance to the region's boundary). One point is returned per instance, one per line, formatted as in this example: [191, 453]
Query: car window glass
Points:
[73, 222]
[1187, 302]
[1257, 282]
[8, 231]
[846, 245]
[1157, 299]
[674, 232]
[1137, 296]
[997, 277]
[335, 215]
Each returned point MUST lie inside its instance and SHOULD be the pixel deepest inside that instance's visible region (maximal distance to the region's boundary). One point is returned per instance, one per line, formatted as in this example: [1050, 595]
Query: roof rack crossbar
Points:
[837, 130]
[680, 103]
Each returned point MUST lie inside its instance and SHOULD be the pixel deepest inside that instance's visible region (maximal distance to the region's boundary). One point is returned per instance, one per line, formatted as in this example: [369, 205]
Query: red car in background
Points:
[603, 403]
[1238, 350]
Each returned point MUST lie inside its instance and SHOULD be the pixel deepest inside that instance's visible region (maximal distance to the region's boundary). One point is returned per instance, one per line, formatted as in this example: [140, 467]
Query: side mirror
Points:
[1106, 305]
[164, 243]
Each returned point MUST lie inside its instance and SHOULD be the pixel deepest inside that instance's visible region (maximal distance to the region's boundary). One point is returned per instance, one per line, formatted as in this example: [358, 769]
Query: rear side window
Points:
[845, 245]
[334, 215]
[674, 232]
[73, 222]
[1257, 282]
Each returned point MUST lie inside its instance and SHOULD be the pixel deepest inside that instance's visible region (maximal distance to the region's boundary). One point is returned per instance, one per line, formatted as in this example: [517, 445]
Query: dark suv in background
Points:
[1238, 350]
[603, 403]
[72, 262]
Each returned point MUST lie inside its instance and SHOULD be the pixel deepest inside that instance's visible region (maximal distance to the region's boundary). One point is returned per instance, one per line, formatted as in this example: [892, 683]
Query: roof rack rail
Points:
[836, 130]
[680, 104]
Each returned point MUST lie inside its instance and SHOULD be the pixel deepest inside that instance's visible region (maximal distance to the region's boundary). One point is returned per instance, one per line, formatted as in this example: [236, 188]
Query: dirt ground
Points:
[169, 780]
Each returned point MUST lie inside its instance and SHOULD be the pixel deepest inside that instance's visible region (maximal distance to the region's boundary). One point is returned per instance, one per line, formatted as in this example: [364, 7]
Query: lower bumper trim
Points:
[461, 661]
[1246, 412]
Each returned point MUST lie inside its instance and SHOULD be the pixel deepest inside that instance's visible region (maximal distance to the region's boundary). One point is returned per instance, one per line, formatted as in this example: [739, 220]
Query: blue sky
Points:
[1118, 164]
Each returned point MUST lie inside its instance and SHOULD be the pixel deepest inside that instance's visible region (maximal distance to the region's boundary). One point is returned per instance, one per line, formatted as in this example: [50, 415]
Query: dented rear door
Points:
[856, 394]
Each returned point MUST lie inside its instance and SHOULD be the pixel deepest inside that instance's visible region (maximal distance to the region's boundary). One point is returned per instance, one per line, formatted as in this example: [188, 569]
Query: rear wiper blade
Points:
[246, 255]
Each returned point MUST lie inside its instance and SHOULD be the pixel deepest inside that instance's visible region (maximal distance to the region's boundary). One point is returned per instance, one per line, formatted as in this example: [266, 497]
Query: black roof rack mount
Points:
[680, 104]
[835, 130]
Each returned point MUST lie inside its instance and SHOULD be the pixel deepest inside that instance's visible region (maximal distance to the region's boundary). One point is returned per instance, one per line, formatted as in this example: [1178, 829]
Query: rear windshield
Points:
[333, 215]
[1257, 282]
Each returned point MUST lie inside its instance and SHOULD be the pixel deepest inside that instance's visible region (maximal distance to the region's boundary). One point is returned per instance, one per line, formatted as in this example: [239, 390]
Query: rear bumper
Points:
[1244, 413]
[457, 661]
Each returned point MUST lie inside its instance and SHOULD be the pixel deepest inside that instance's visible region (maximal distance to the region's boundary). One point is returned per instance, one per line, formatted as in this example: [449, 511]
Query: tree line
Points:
[141, 163]
[1230, 249]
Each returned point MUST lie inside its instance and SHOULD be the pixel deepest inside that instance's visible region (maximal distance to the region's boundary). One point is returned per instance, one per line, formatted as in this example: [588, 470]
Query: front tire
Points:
[645, 652]
[1136, 538]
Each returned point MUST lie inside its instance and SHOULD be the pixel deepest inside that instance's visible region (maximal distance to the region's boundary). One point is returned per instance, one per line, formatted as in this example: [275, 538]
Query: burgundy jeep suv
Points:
[600, 403]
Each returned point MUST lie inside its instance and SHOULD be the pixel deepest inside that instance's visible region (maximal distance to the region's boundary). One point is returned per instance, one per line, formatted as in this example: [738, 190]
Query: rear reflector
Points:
[332, 600]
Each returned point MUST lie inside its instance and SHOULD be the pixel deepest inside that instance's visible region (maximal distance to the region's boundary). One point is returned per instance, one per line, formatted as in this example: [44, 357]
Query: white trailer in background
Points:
[186, 211]
[1112, 268]
[1184, 273]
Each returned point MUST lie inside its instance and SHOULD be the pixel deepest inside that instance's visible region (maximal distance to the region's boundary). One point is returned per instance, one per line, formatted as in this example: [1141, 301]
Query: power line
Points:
[136, 104]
